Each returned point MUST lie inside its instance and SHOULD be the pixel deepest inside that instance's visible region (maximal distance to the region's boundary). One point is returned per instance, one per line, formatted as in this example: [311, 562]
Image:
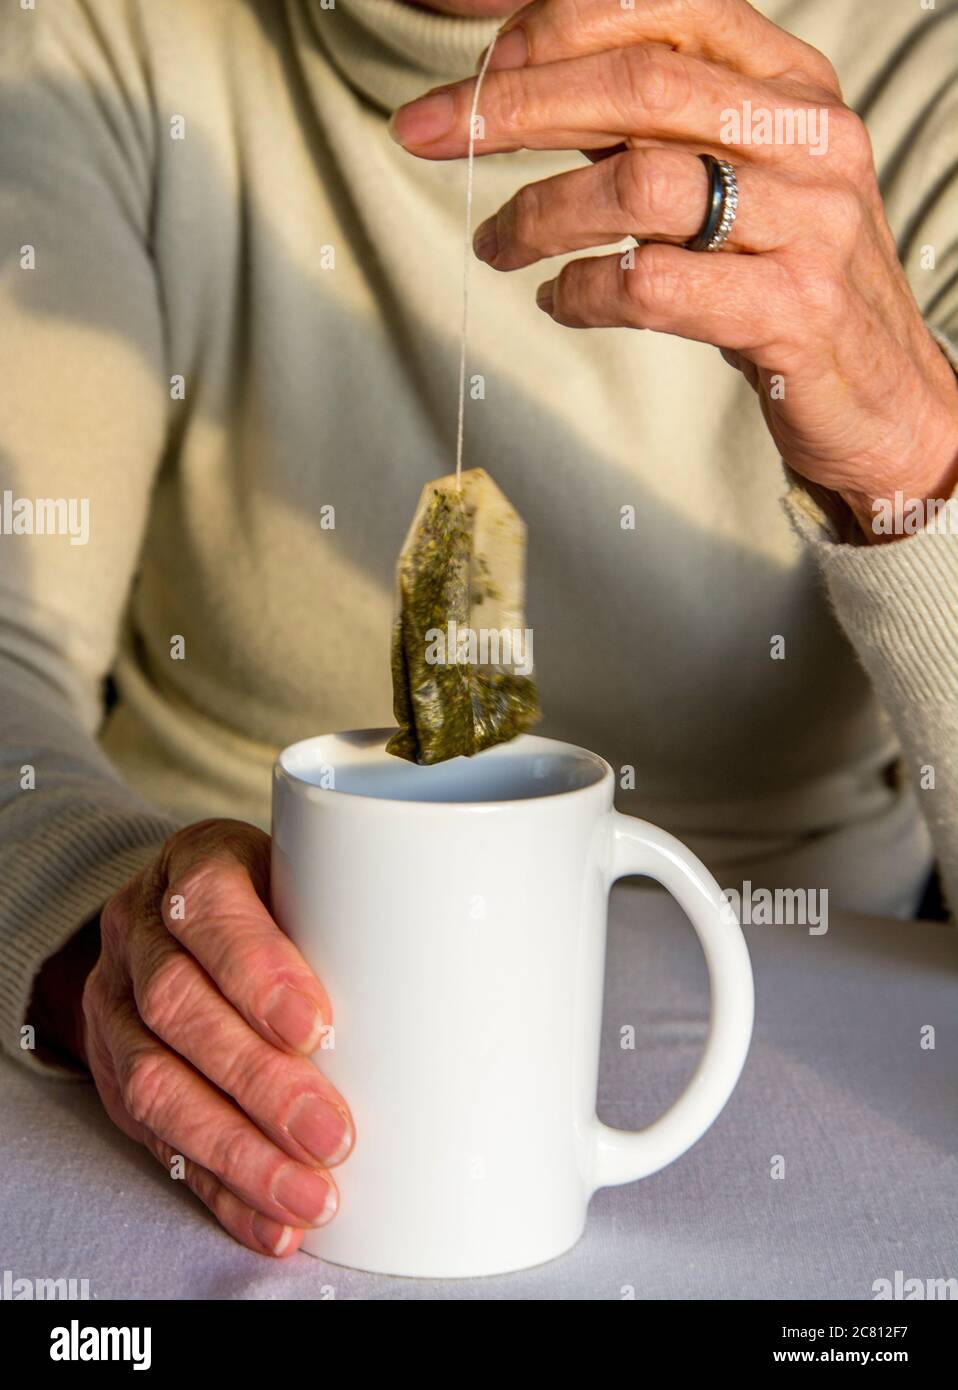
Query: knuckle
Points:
[214, 892]
[650, 80]
[231, 1156]
[506, 100]
[849, 139]
[210, 1191]
[819, 293]
[227, 844]
[628, 172]
[651, 282]
[565, 292]
[116, 916]
[657, 191]
[142, 1087]
[823, 71]
[166, 992]
[807, 65]
[259, 1075]
[525, 221]
[92, 997]
[201, 883]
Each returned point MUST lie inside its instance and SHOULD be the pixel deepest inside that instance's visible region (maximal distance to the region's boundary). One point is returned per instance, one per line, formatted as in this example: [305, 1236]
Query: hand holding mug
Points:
[198, 1022]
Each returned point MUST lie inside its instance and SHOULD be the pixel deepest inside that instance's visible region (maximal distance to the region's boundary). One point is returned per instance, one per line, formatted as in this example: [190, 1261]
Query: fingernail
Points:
[486, 241]
[294, 1017]
[270, 1234]
[307, 1195]
[423, 120]
[511, 51]
[544, 296]
[320, 1127]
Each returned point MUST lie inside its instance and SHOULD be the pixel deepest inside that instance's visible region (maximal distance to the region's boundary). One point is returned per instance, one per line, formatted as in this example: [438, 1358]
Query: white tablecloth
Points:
[837, 1084]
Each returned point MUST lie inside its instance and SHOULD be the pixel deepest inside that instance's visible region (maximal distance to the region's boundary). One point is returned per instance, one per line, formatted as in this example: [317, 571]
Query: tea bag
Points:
[461, 653]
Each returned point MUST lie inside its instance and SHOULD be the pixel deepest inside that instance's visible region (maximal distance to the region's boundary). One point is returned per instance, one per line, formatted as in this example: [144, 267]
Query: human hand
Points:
[808, 298]
[198, 1020]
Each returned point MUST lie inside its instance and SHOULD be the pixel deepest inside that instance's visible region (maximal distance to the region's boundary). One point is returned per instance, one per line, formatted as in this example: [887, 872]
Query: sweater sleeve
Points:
[82, 339]
[898, 602]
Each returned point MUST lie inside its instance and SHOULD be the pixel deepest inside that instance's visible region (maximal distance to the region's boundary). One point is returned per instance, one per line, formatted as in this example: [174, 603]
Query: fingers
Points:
[170, 1054]
[287, 1097]
[723, 300]
[250, 1227]
[247, 1225]
[212, 907]
[636, 93]
[727, 32]
[653, 194]
[164, 1096]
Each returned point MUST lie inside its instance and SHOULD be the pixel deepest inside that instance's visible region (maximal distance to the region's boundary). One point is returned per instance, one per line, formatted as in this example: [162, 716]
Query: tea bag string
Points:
[467, 260]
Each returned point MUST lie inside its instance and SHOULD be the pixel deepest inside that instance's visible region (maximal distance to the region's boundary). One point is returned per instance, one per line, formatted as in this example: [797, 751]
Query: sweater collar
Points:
[391, 52]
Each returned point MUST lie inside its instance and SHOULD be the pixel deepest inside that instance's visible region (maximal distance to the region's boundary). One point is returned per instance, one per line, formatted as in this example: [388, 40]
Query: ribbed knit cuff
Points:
[53, 882]
[898, 604]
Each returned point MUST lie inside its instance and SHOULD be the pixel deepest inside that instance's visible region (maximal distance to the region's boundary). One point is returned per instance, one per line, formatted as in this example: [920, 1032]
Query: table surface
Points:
[863, 1118]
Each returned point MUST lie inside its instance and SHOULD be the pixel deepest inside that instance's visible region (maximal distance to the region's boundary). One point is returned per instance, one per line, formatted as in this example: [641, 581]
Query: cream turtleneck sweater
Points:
[301, 274]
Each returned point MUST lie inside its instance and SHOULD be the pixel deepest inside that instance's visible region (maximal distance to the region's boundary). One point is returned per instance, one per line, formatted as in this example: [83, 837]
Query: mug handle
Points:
[622, 1155]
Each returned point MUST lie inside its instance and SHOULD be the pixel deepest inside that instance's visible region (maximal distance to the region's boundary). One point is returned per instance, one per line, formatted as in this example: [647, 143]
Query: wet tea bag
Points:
[461, 653]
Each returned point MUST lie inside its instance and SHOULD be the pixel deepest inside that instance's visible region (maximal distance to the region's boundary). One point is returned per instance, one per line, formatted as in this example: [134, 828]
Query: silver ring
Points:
[728, 208]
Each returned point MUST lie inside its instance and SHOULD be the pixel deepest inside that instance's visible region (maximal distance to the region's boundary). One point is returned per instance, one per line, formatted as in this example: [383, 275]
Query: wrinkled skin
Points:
[196, 1022]
[808, 289]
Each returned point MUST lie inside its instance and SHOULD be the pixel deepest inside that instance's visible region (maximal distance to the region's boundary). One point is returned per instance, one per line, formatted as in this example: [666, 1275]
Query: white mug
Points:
[457, 917]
